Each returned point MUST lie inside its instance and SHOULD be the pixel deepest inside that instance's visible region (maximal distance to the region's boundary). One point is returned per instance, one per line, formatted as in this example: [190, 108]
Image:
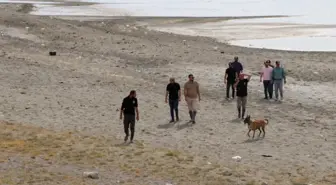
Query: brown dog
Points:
[256, 124]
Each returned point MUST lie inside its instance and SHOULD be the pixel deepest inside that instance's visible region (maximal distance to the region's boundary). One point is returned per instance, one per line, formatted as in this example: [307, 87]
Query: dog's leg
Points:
[248, 133]
[253, 133]
[259, 132]
[263, 128]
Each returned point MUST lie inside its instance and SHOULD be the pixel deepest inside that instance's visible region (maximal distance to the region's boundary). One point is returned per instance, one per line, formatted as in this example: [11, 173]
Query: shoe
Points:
[131, 141]
[126, 138]
[193, 122]
[177, 119]
[171, 121]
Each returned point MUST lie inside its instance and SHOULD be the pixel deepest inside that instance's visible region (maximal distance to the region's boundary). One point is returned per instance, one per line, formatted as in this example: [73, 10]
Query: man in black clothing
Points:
[241, 86]
[237, 66]
[128, 108]
[230, 79]
[174, 91]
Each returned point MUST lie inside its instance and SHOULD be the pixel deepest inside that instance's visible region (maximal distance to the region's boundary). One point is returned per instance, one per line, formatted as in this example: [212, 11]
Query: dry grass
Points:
[74, 148]
[138, 159]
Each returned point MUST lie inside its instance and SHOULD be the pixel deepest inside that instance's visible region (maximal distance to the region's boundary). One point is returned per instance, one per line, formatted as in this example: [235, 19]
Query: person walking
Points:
[173, 90]
[191, 93]
[279, 78]
[229, 80]
[237, 66]
[128, 108]
[241, 86]
[266, 78]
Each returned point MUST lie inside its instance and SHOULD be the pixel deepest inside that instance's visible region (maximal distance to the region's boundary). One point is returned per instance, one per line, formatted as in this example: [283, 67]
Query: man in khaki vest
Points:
[191, 93]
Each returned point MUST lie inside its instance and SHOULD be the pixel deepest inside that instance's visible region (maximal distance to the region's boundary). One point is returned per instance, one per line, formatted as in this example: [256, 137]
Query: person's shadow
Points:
[123, 144]
[166, 126]
[183, 126]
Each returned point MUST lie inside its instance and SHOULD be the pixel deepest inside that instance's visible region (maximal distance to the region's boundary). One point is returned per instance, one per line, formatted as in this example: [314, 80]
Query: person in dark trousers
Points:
[241, 86]
[229, 80]
[173, 90]
[129, 107]
[237, 66]
[266, 78]
[279, 78]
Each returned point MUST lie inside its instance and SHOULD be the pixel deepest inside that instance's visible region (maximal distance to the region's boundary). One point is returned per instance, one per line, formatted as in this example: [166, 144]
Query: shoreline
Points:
[98, 62]
[223, 29]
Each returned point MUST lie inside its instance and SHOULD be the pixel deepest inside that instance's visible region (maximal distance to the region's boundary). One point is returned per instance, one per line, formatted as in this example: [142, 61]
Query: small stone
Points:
[226, 173]
[91, 175]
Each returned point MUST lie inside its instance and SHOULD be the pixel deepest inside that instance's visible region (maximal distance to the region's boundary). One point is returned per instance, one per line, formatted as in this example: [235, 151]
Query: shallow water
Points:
[310, 27]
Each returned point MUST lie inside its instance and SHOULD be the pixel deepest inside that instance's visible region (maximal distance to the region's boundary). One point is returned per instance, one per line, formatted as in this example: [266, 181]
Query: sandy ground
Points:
[99, 62]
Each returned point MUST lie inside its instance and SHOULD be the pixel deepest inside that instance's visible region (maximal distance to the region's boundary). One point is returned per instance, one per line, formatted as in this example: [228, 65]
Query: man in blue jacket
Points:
[237, 66]
[279, 78]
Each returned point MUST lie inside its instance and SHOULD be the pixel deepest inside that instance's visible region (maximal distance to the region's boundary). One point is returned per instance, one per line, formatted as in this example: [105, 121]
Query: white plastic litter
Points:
[237, 158]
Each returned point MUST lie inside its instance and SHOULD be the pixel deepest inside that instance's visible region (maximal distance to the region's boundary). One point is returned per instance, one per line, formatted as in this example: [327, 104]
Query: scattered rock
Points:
[264, 183]
[91, 175]
[226, 173]
[52, 53]
[222, 52]
[22, 92]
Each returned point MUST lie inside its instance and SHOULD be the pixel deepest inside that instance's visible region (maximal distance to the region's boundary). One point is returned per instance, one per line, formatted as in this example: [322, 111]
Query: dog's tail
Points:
[266, 120]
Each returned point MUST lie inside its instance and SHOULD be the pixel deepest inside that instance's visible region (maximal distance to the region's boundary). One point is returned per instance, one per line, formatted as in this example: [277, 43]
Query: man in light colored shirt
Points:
[266, 78]
[279, 77]
[191, 93]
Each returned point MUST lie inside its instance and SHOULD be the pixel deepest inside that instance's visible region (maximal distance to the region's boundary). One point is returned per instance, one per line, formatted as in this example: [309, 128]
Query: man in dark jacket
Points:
[129, 107]
[229, 80]
[237, 66]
